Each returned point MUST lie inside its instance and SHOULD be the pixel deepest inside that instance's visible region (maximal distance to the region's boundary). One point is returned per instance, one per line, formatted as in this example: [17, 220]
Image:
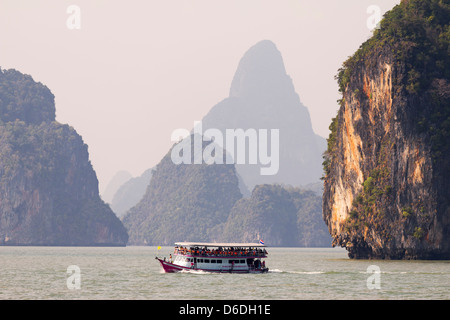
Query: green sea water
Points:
[43, 273]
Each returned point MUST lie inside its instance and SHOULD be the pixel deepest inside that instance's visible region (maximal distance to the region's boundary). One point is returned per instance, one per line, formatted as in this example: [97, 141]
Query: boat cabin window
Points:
[236, 261]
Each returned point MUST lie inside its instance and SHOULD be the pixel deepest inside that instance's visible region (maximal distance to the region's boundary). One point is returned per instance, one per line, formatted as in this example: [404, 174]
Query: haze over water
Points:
[133, 273]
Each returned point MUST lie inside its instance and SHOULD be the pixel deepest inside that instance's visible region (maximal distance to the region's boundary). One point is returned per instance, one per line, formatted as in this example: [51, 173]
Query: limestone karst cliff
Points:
[48, 188]
[262, 96]
[213, 202]
[203, 202]
[183, 202]
[386, 183]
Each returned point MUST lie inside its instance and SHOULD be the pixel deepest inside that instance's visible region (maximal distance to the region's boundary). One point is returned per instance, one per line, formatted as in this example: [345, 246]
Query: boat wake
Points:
[270, 271]
[195, 271]
[295, 272]
[307, 272]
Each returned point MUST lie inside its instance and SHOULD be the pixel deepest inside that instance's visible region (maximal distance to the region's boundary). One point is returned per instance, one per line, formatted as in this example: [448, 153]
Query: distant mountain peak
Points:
[111, 188]
[262, 96]
[261, 69]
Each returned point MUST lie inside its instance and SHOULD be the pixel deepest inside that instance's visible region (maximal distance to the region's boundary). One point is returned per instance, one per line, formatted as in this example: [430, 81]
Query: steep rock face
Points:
[48, 188]
[183, 202]
[262, 96]
[386, 190]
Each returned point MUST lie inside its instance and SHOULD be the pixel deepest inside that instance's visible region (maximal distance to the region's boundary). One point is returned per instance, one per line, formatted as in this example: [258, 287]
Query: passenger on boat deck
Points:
[231, 251]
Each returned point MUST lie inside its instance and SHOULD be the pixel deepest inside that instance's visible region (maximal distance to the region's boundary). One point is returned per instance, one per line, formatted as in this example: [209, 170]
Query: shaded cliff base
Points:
[359, 249]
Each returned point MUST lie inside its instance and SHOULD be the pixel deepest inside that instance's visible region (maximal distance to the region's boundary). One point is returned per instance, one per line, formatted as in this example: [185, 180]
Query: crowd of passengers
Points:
[220, 252]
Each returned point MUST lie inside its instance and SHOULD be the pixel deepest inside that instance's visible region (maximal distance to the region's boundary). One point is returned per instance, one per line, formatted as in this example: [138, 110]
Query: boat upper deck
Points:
[223, 250]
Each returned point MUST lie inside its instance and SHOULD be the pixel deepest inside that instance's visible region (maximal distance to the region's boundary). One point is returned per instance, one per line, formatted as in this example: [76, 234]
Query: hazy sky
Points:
[137, 70]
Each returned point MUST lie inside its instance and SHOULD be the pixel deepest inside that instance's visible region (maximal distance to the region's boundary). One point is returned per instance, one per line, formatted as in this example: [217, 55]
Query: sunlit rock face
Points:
[386, 188]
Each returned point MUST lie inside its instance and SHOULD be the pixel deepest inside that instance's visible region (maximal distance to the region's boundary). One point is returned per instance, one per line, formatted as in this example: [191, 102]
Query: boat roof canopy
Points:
[213, 244]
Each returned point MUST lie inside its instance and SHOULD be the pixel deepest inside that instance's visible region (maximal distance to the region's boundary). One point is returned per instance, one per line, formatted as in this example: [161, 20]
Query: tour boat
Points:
[216, 257]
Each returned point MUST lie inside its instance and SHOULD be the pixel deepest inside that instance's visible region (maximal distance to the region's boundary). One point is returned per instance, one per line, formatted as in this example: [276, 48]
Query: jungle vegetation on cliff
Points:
[48, 188]
[386, 170]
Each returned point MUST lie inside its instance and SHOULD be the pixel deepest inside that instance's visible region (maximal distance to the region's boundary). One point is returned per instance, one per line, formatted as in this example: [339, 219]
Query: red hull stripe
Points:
[170, 267]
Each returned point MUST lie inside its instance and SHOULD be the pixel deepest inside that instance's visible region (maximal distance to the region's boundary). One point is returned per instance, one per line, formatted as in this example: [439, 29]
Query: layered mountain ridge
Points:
[195, 199]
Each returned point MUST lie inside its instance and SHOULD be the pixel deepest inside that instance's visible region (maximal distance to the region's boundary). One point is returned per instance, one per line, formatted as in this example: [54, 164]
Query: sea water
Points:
[40, 273]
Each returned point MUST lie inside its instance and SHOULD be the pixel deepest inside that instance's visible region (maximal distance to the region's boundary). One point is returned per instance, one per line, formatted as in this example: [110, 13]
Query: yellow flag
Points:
[159, 247]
